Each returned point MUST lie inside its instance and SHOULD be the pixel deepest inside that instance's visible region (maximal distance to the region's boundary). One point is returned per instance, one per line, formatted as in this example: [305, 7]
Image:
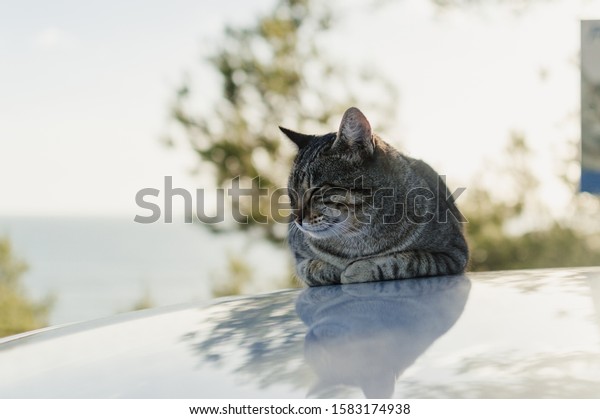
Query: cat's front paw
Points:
[364, 270]
[315, 272]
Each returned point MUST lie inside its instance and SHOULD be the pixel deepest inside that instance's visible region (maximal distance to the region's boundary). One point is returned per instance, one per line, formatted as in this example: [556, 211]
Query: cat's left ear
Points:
[355, 132]
[301, 140]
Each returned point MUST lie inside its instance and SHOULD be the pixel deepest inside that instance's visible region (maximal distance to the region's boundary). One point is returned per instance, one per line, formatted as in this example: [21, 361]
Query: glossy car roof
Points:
[512, 334]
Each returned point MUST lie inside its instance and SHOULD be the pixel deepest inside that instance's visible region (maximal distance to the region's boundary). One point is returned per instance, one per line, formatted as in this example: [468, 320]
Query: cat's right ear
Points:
[301, 140]
[355, 133]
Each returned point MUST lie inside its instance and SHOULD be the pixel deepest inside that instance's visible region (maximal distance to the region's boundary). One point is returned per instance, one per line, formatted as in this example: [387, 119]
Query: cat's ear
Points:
[301, 140]
[355, 132]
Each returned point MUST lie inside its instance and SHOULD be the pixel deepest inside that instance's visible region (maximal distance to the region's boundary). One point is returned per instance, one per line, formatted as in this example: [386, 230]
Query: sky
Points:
[85, 89]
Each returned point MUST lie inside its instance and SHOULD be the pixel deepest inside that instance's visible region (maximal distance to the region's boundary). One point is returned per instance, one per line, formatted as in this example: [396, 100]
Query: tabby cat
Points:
[362, 211]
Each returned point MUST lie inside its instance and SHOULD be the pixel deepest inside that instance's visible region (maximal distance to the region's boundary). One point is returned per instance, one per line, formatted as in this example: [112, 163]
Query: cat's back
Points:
[410, 173]
[415, 172]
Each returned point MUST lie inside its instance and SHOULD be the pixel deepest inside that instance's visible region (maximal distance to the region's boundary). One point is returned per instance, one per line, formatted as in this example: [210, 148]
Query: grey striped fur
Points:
[362, 211]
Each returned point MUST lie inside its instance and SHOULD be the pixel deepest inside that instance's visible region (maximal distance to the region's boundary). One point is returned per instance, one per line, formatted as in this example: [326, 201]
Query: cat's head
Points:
[331, 176]
[353, 141]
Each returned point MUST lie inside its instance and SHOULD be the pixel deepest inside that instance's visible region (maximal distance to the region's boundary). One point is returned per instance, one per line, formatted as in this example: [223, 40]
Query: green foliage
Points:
[272, 73]
[18, 313]
[552, 247]
[557, 244]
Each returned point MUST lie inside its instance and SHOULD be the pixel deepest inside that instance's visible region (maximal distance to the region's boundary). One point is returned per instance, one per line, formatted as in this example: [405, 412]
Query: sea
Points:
[97, 267]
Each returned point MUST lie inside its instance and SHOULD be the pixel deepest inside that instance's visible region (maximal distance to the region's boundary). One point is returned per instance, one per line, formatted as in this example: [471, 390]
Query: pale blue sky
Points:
[84, 89]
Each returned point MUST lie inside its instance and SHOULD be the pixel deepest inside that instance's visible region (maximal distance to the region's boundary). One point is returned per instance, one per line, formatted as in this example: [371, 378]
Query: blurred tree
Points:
[18, 313]
[272, 73]
[552, 244]
[275, 72]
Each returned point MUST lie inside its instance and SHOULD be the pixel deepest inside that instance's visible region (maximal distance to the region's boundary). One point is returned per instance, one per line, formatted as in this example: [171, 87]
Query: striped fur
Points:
[364, 212]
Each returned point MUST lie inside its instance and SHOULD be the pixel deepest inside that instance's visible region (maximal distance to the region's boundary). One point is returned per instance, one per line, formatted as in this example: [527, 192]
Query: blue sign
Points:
[590, 106]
